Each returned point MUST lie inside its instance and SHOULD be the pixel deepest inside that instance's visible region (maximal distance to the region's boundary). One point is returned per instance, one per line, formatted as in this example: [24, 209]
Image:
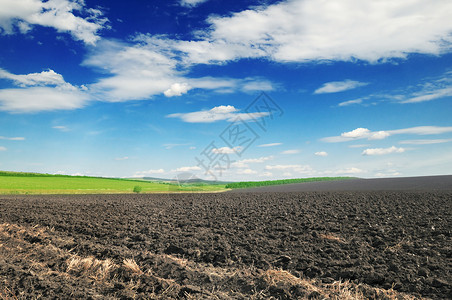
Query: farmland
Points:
[34, 183]
[272, 245]
[251, 184]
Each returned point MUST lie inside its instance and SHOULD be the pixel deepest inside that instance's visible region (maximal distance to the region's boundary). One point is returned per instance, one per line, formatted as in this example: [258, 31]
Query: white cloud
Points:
[186, 169]
[58, 14]
[425, 142]
[136, 71]
[364, 133]
[246, 172]
[339, 86]
[282, 167]
[148, 173]
[219, 113]
[37, 99]
[348, 171]
[360, 133]
[45, 78]
[359, 146]
[383, 151]
[2, 148]
[266, 174]
[12, 138]
[291, 151]
[244, 162]
[177, 89]
[191, 3]
[40, 91]
[270, 145]
[422, 130]
[321, 153]
[227, 150]
[122, 158]
[152, 66]
[301, 169]
[390, 173]
[430, 95]
[351, 102]
[299, 30]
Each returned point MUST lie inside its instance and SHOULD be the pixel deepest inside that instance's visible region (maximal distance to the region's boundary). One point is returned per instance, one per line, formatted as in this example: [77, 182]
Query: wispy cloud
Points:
[191, 3]
[23, 14]
[2, 148]
[429, 95]
[321, 153]
[290, 151]
[339, 86]
[122, 158]
[61, 128]
[383, 151]
[270, 145]
[246, 172]
[12, 138]
[364, 133]
[148, 173]
[351, 102]
[425, 142]
[244, 162]
[219, 113]
[187, 169]
[227, 150]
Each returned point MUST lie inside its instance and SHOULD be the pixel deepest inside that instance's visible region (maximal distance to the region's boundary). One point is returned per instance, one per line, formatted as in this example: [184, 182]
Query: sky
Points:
[226, 90]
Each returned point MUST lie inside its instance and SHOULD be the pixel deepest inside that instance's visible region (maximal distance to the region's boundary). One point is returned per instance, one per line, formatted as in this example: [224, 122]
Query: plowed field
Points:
[387, 244]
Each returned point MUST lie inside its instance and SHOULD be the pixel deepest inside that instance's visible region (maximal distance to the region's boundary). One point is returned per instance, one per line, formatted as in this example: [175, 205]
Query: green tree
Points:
[137, 189]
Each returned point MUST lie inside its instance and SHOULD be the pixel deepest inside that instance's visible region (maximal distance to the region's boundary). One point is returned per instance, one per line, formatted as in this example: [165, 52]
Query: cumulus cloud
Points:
[3, 148]
[383, 151]
[339, 86]
[301, 30]
[219, 113]
[49, 77]
[177, 89]
[40, 92]
[149, 66]
[321, 153]
[58, 14]
[364, 133]
[38, 99]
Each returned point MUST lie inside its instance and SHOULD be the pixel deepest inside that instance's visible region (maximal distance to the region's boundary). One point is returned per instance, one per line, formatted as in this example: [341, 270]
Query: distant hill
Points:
[182, 180]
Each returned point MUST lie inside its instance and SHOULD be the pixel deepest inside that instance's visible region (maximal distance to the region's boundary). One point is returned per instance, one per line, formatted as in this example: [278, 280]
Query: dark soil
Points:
[418, 184]
[228, 245]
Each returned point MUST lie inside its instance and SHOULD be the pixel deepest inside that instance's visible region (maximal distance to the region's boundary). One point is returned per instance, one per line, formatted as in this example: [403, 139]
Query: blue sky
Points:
[227, 90]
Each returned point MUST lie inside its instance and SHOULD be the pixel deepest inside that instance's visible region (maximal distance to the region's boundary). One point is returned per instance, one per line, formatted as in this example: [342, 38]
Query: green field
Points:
[250, 184]
[34, 183]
